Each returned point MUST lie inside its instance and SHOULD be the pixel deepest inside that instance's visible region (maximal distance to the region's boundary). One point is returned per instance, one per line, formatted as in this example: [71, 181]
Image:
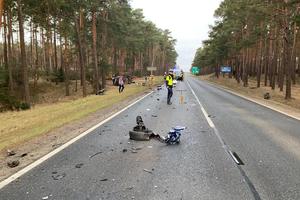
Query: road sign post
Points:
[195, 70]
[151, 69]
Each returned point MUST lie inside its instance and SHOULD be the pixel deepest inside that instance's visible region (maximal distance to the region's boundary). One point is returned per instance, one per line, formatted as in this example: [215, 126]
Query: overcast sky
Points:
[188, 21]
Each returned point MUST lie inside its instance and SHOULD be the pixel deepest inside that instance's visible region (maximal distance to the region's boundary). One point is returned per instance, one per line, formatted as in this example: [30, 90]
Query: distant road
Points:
[106, 165]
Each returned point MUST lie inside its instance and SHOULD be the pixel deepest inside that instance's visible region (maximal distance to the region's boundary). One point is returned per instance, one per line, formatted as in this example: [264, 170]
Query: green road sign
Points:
[195, 70]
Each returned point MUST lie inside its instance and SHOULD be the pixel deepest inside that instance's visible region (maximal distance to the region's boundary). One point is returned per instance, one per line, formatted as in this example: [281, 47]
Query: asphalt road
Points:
[201, 167]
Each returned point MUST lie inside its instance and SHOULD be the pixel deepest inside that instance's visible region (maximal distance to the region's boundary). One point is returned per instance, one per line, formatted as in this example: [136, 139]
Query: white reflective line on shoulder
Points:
[211, 124]
[59, 149]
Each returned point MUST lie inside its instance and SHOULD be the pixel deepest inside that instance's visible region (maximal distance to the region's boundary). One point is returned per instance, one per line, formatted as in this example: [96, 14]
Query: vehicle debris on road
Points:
[148, 171]
[95, 154]
[58, 176]
[79, 165]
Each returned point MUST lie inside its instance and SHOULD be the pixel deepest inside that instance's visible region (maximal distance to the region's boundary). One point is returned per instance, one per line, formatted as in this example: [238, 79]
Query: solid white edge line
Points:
[59, 149]
[252, 100]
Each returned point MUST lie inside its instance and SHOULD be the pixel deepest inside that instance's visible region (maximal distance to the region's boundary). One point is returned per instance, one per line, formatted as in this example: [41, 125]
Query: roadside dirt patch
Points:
[40, 146]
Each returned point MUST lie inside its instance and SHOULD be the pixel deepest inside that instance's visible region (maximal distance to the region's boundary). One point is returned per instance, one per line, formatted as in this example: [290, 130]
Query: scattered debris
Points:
[23, 155]
[133, 151]
[124, 150]
[13, 163]
[267, 96]
[137, 148]
[46, 197]
[158, 99]
[54, 172]
[154, 115]
[211, 116]
[140, 132]
[58, 176]
[96, 154]
[129, 188]
[10, 152]
[148, 171]
[148, 109]
[103, 180]
[150, 147]
[79, 165]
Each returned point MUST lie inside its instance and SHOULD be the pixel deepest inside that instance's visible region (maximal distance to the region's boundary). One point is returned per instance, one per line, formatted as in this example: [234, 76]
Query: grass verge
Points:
[19, 127]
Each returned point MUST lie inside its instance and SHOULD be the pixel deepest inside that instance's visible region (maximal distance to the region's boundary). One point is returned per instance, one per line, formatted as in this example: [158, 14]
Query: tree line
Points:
[257, 39]
[84, 40]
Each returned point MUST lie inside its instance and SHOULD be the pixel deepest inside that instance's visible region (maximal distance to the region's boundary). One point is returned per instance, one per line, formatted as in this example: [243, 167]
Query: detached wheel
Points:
[139, 136]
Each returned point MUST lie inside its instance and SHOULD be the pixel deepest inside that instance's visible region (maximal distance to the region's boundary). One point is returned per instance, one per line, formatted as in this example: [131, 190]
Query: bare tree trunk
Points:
[36, 63]
[79, 31]
[1, 11]
[104, 51]
[66, 67]
[293, 56]
[55, 47]
[25, 84]
[5, 51]
[95, 57]
[259, 62]
[9, 48]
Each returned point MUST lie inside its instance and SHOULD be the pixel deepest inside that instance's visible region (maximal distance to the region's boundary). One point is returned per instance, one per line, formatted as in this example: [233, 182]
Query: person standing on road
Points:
[169, 84]
[121, 84]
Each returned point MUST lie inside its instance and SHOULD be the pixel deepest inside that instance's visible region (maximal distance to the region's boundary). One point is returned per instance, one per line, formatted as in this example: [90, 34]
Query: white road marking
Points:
[210, 122]
[51, 154]
[254, 101]
[234, 158]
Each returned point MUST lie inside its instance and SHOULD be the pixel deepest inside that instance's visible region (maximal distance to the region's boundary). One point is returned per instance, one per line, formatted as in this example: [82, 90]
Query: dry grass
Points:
[19, 127]
[258, 93]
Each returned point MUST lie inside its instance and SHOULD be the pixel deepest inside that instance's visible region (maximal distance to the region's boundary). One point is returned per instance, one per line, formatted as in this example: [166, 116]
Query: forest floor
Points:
[277, 100]
[57, 119]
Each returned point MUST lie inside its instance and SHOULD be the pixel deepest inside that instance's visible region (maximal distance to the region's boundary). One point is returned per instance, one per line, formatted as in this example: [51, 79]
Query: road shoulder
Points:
[273, 105]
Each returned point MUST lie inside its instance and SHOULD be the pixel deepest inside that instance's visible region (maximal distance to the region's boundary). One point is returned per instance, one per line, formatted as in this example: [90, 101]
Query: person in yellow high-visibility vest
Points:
[169, 84]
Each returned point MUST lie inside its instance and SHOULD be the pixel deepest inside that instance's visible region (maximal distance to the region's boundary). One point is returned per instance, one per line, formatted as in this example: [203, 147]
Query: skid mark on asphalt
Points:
[226, 148]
